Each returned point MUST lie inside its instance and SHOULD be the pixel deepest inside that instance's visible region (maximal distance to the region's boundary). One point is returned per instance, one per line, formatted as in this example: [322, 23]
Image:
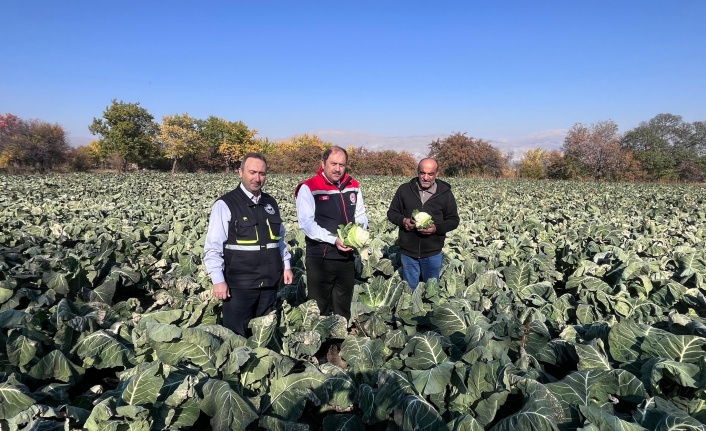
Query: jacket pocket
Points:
[274, 223]
[246, 231]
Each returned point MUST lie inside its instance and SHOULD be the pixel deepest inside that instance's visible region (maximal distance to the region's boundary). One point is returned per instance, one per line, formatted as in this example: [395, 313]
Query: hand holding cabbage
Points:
[353, 235]
[422, 220]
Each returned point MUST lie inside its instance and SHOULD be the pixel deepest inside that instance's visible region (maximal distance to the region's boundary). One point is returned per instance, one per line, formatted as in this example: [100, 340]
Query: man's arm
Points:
[305, 217]
[286, 256]
[360, 215]
[216, 236]
[283, 251]
[451, 218]
[394, 212]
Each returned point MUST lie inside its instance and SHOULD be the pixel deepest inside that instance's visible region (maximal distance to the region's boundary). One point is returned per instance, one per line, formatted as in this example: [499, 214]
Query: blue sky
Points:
[505, 71]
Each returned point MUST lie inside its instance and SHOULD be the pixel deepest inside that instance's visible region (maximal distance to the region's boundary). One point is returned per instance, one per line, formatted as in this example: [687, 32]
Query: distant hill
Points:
[418, 146]
[77, 141]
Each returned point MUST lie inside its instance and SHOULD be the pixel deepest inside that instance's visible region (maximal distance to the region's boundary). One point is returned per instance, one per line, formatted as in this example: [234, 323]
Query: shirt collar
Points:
[325, 177]
[431, 190]
[247, 192]
[338, 184]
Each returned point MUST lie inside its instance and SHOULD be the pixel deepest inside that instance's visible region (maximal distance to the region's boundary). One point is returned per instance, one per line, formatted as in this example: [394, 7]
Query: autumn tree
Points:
[127, 130]
[298, 155]
[598, 152]
[83, 158]
[354, 159]
[533, 164]
[213, 131]
[460, 155]
[243, 142]
[105, 159]
[509, 164]
[560, 167]
[226, 142]
[45, 145]
[630, 167]
[10, 126]
[665, 144]
[594, 147]
[180, 137]
[263, 145]
[33, 144]
[362, 161]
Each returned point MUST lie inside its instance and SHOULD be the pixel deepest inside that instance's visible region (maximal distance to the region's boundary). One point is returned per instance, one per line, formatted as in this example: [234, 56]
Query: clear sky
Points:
[493, 69]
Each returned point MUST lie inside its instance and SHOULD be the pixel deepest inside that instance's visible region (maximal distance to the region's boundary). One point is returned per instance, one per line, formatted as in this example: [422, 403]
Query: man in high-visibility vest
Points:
[245, 253]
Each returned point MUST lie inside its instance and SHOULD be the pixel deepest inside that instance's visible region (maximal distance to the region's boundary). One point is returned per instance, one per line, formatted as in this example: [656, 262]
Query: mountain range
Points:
[418, 145]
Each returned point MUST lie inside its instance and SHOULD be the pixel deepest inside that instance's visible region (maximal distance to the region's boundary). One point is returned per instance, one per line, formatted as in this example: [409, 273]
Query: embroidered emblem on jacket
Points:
[269, 209]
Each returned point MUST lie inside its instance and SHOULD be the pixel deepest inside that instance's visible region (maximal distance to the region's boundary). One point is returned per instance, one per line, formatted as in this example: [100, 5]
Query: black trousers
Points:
[245, 304]
[330, 283]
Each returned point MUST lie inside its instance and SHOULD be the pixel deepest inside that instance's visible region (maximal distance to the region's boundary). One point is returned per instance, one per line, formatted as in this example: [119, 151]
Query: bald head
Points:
[427, 170]
[428, 164]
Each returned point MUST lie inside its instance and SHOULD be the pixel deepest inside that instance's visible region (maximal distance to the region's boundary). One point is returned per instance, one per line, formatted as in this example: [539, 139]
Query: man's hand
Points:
[341, 246]
[408, 224]
[221, 291]
[428, 231]
[288, 276]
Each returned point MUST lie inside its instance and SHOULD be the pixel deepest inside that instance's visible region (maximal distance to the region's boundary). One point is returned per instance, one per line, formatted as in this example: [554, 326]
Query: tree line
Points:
[665, 148]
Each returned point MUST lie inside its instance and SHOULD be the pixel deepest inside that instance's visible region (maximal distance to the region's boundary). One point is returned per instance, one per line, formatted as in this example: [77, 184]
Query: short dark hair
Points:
[259, 156]
[332, 149]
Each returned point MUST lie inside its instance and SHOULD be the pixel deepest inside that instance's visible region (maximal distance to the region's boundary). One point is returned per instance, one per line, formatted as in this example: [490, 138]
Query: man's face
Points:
[427, 173]
[253, 174]
[335, 166]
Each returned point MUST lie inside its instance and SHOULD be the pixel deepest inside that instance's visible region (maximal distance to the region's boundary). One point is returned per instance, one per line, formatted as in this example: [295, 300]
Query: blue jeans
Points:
[414, 270]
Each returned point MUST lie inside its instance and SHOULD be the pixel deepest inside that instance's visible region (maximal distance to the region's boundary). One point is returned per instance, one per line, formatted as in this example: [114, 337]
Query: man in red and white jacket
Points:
[329, 199]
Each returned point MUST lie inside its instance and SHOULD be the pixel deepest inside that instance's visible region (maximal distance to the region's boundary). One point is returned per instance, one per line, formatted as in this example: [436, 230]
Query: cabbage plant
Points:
[560, 306]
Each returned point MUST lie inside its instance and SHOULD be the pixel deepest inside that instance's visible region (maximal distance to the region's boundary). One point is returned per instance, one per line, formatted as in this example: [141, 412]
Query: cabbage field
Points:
[561, 306]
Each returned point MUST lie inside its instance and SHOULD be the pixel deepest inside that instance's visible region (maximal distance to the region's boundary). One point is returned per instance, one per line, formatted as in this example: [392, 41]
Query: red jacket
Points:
[334, 205]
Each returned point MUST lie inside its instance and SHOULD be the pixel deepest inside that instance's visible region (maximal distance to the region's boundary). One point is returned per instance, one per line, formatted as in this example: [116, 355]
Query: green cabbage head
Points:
[421, 219]
[353, 235]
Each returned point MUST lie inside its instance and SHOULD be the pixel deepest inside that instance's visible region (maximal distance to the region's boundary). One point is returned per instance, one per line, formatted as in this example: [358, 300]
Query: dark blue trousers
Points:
[245, 304]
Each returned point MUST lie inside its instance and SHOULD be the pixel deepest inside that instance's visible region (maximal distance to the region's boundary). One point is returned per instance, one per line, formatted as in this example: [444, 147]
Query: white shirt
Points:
[305, 215]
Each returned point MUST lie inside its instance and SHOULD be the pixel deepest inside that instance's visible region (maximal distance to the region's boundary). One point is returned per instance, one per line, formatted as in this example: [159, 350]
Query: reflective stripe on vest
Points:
[257, 236]
[251, 247]
[272, 235]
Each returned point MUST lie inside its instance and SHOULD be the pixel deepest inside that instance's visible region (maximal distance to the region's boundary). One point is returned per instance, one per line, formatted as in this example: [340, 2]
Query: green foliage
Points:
[666, 145]
[560, 306]
[533, 164]
[180, 137]
[128, 130]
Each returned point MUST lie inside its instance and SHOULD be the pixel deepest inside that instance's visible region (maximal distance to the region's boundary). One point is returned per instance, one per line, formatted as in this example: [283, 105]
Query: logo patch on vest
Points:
[269, 209]
[353, 198]
[323, 197]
